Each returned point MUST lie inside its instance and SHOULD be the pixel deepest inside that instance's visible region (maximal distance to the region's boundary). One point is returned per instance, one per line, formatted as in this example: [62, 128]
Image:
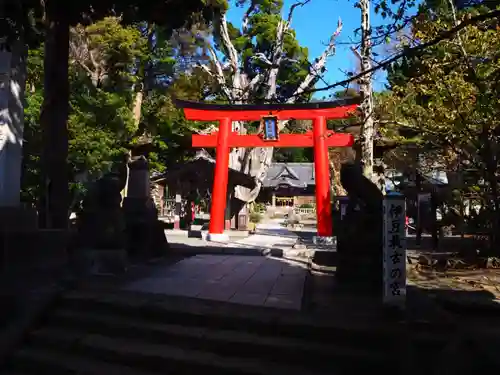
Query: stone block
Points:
[102, 229]
[325, 241]
[276, 252]
[146, 239]
[139, 209]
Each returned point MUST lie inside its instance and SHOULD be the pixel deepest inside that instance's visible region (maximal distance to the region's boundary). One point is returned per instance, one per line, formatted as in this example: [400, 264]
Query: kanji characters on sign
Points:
[394, 250]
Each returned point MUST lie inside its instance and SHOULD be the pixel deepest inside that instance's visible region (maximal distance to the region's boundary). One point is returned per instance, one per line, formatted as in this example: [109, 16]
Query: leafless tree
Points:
[238, 88]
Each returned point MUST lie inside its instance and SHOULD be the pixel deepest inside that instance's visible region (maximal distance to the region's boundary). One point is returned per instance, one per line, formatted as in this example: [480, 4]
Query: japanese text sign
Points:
[270, 128]
[394, 250]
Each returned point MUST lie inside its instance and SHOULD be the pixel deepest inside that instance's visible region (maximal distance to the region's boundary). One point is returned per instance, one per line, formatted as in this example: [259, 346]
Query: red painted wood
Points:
[253, 115]
[322, 176]
[320, 138]
[332, 139]
[219, 189]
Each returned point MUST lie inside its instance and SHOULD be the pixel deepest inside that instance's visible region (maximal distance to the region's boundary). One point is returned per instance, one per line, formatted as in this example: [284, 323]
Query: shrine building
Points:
[288, 185]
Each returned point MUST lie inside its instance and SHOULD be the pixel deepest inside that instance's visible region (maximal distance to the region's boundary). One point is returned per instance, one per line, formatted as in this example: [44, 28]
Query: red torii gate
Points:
[320, 138]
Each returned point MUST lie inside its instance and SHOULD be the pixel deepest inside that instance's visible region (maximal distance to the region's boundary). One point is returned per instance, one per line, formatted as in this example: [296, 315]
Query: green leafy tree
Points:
[106, 57]
[56, 16]
[451, 102]
[167, 71]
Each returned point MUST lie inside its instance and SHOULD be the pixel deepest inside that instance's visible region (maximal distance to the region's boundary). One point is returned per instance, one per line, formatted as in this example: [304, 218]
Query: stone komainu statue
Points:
[359, 239]
[101, 223]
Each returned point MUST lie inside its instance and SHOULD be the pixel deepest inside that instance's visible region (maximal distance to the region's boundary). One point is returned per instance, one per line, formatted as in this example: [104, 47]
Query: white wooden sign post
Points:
[394, 250]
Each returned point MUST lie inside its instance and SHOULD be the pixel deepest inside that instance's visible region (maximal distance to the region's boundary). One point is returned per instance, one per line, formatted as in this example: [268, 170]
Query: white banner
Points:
[394, 250]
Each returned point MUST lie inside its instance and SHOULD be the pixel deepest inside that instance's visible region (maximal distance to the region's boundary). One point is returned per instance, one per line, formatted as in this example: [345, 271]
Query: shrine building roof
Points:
[198, 174]
[298, 175]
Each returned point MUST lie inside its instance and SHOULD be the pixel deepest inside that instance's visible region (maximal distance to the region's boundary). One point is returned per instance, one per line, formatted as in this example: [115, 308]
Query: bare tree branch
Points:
[292, 9]
[206, 69]
[218, 73]
[82, 54]
[356, 53]
[318, 65]
[367, 135]
[261, 57]
[277, 54]
[228, 44]
[254, 82]
[75, 52]
[447, 34]
[246, 16]
[232, 55]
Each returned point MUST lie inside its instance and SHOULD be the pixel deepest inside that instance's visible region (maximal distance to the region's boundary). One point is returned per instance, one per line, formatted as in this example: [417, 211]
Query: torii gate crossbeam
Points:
[320, 139]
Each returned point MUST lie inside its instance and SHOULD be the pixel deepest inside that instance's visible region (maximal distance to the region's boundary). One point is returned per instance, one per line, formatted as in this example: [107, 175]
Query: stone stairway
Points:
[125, 333]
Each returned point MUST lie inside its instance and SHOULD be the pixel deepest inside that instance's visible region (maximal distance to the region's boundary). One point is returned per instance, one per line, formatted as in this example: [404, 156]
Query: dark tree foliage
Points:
[32, 22]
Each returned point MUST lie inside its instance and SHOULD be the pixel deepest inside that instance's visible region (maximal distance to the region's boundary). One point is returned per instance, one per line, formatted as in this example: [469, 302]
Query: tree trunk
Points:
[54, 116]
[138, 106]
[145, 71]
[339, 156]
[367, 129]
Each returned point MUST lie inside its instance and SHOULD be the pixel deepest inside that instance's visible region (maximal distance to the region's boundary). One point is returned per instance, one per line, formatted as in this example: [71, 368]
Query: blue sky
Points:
[315, 22]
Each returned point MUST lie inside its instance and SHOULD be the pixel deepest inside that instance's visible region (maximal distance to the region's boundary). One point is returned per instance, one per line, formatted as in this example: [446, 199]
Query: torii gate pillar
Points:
[322, 177]
[219, 191]
[320, 139]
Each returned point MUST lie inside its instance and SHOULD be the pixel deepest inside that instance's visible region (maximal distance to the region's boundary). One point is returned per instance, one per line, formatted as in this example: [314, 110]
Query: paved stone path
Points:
[249, 280]
[244, 279]
[269, 234]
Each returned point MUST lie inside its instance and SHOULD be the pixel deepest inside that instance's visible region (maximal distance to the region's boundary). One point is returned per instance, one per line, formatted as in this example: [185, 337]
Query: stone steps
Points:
[133, 333]
[41, 360]
[142, 354]
[225, 342]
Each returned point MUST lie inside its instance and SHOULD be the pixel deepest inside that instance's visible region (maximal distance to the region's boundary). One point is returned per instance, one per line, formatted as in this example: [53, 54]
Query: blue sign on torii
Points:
[270, 128]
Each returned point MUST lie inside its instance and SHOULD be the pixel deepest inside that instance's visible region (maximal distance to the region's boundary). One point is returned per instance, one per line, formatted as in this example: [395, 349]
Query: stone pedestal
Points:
[243, 218]
[101, 224]
[138, 180]
[359, 234]
[144, 232]
[359, 251]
